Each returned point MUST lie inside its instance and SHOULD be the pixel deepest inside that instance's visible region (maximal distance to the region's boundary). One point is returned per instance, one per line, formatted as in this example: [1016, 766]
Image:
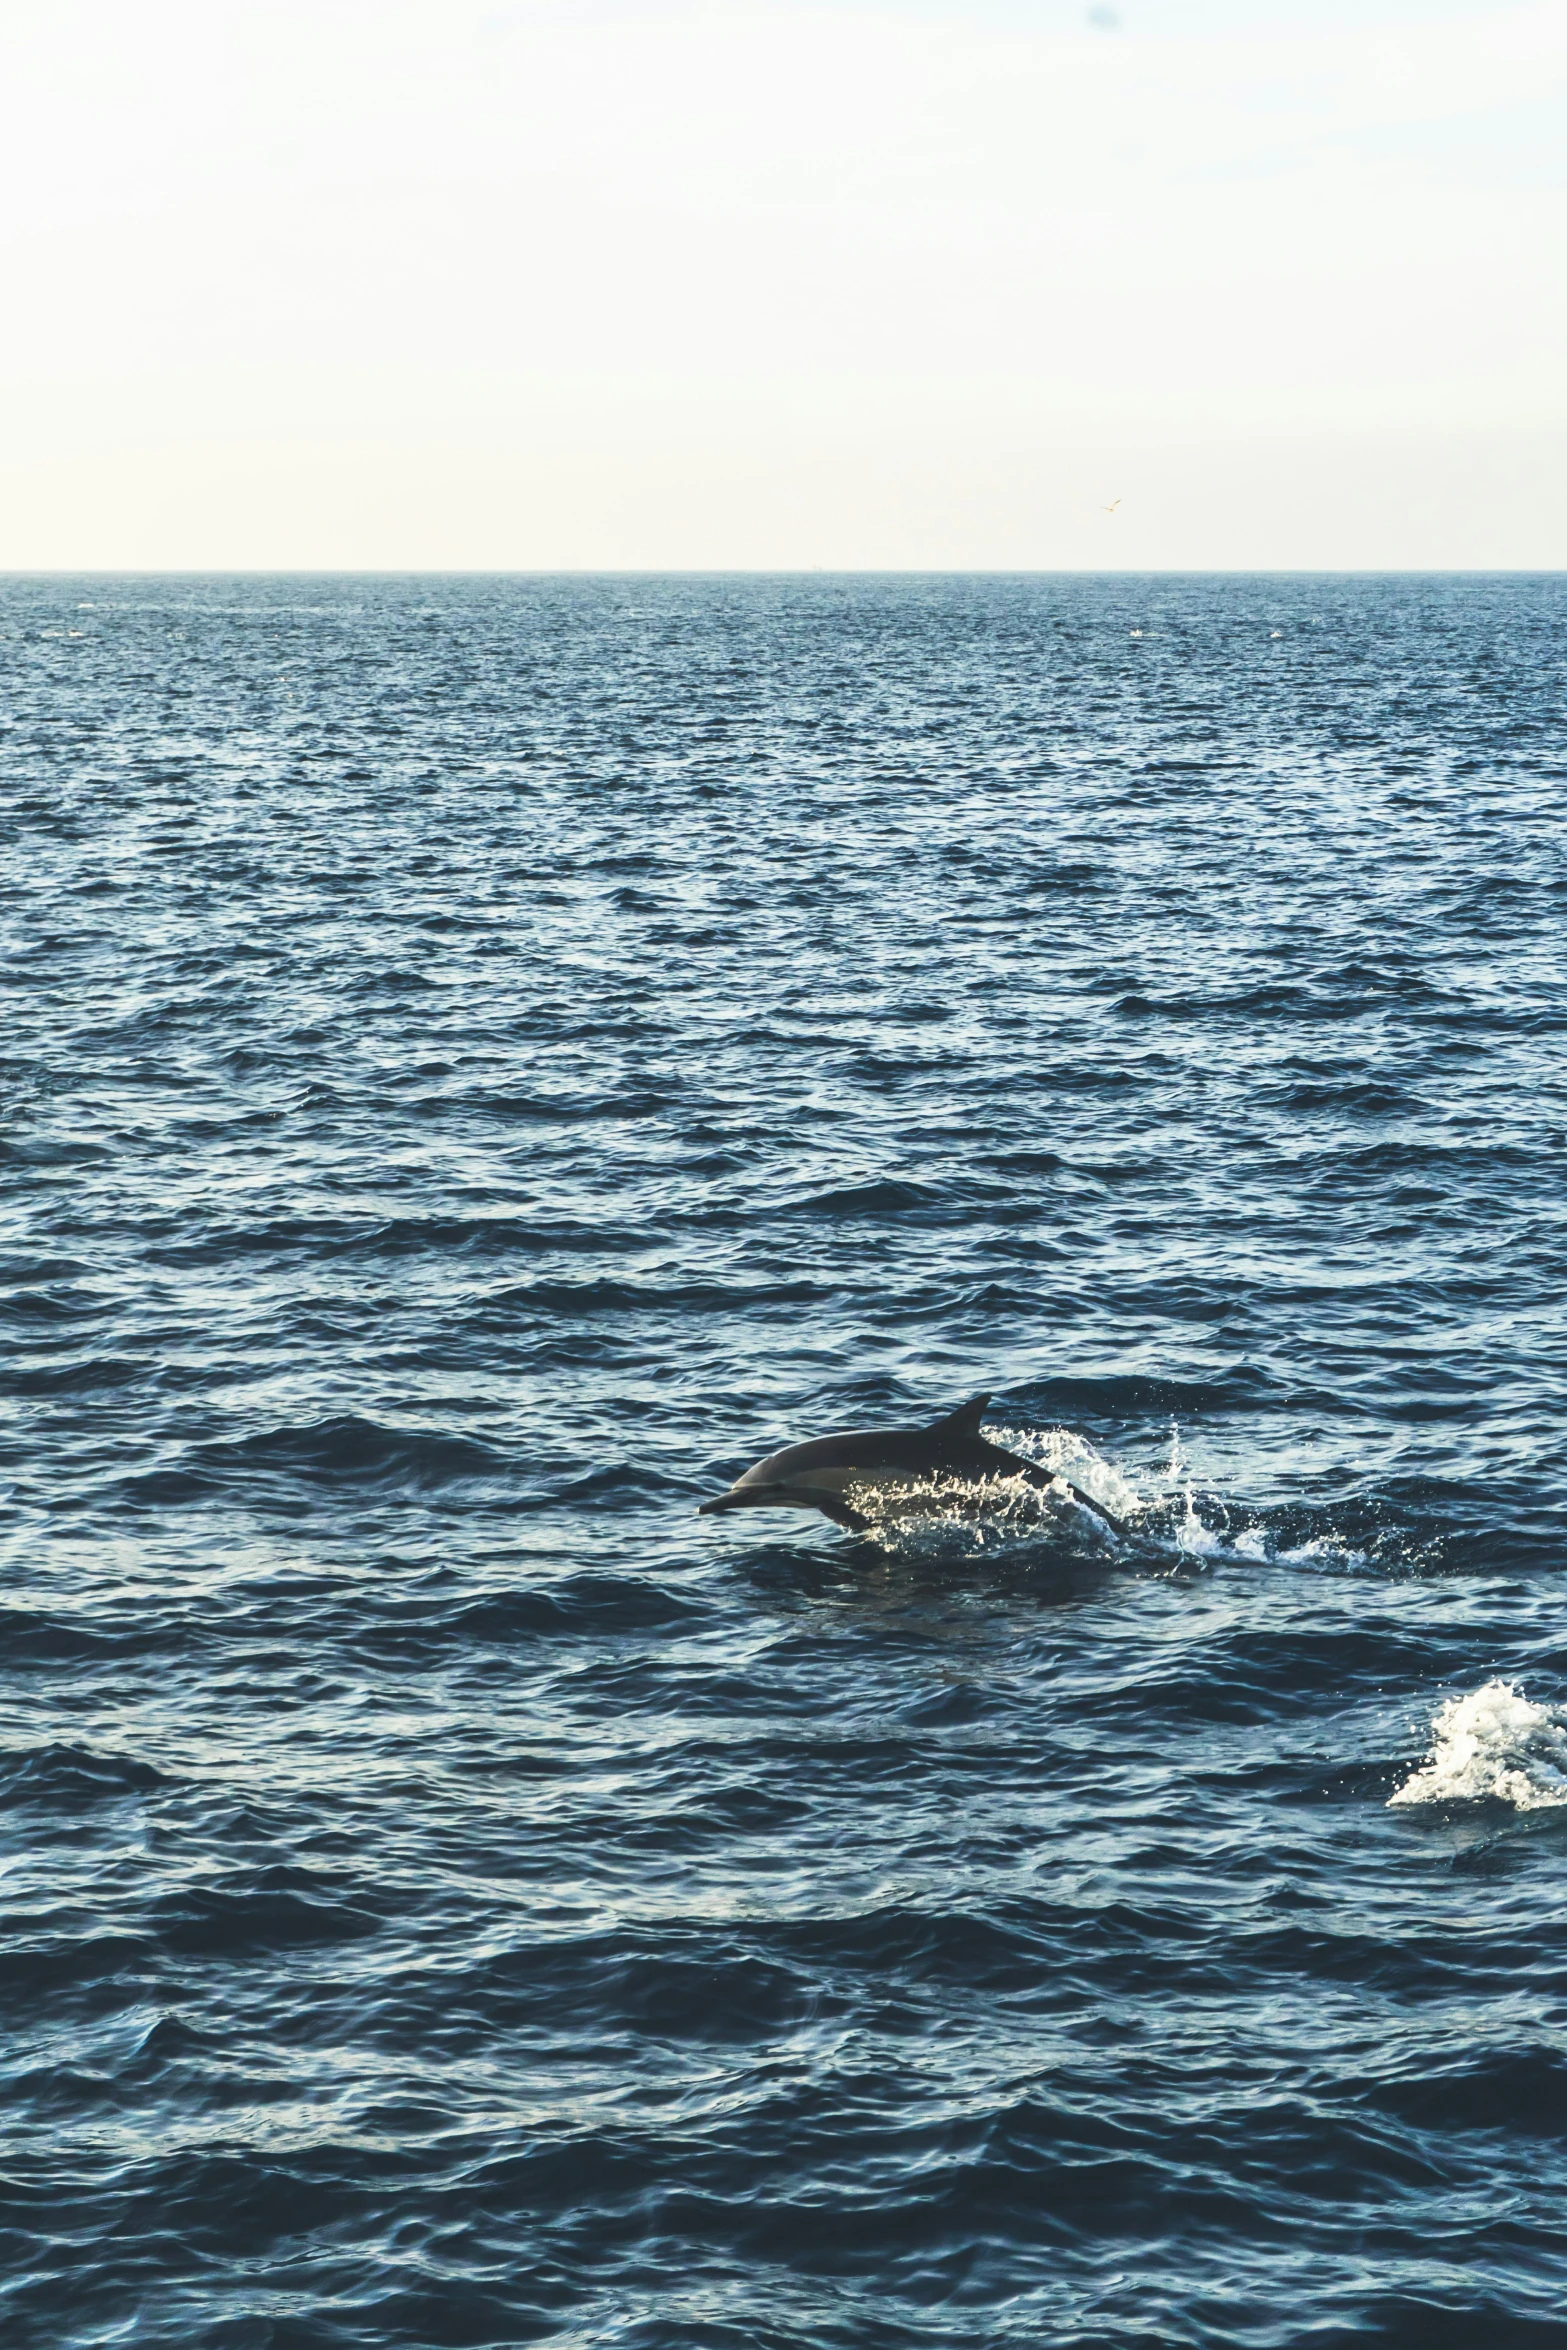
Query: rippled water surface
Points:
[483, 1061]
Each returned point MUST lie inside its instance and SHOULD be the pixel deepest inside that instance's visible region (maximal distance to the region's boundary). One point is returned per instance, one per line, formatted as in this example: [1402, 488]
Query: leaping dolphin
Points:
[818, 1475]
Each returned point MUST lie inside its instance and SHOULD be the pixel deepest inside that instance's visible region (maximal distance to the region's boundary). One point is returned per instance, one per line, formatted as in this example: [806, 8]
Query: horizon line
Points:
[782, 571]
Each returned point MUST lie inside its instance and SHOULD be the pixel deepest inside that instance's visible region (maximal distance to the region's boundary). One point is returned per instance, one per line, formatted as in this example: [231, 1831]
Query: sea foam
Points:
[1495, 1742]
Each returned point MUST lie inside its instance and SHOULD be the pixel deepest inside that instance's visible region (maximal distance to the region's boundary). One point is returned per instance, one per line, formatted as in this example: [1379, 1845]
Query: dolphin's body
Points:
[817, 1476]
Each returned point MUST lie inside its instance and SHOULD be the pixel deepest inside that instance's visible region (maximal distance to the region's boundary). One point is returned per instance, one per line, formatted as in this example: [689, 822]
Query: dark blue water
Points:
[483, 1061]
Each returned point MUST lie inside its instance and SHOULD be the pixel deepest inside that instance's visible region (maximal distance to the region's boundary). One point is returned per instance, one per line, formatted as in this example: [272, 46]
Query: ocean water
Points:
[486, 1059]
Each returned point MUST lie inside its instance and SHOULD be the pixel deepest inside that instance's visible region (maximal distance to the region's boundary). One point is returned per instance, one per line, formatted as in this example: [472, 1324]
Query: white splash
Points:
[1196, 1540]
[1323, 1547]
[910, 1515]
[1192, 1538]
[1067, 1454]
[1252, 1541]
[942, 1511]
[1494, 1743]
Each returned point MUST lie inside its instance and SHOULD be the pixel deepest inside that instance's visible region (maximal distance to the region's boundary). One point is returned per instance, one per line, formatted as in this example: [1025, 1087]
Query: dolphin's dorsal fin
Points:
[966, 1419]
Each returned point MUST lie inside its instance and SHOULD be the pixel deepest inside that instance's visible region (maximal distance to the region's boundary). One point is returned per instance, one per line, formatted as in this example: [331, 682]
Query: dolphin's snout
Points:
[745, 1496]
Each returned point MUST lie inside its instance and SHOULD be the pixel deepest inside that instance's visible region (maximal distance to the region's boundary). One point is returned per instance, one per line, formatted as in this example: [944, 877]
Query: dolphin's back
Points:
[949, 1447]
[896, 1450]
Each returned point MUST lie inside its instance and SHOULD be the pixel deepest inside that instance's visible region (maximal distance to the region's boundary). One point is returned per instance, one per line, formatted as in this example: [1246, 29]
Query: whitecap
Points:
[1493, 1743]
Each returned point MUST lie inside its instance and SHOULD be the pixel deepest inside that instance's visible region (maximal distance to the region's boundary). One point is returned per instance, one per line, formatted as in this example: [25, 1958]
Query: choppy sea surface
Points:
[486, 1059]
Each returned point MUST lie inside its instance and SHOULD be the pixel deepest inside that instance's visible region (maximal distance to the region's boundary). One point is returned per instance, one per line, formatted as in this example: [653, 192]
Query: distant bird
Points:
[1110, 509]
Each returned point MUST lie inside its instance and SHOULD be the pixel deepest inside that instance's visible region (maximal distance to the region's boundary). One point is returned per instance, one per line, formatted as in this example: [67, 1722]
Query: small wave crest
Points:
[1494, 1743]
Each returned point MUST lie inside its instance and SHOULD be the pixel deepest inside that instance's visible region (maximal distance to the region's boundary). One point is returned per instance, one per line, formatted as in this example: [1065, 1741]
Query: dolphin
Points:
[818, 1475]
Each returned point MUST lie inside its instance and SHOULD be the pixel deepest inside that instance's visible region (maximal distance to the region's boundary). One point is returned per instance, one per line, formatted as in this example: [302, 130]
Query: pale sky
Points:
[537, 284]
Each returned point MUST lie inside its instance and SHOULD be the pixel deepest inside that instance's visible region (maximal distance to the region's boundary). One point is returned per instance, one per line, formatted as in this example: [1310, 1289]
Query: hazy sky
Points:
[537, 283]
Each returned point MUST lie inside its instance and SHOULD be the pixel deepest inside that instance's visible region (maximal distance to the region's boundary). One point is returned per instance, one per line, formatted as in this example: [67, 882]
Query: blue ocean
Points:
[487, 1059]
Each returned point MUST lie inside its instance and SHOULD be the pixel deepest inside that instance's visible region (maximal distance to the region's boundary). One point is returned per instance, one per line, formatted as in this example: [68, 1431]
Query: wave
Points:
[342, 1450]
[1138, 1394]
[394, 1236]
[572, 1604]
[875, 1199]
[281, 1906]
[27, 1635]
[557, 1110]
[71, 1775]
[98, 1373]
[608, 1296]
